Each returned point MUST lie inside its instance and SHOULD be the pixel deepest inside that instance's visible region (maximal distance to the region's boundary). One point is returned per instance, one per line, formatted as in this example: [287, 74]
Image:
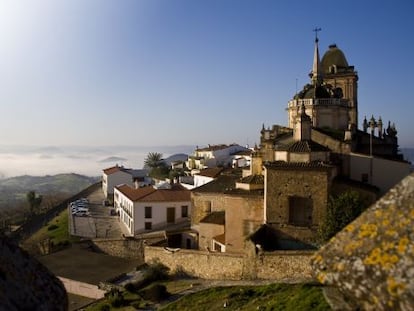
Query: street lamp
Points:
[372, 125]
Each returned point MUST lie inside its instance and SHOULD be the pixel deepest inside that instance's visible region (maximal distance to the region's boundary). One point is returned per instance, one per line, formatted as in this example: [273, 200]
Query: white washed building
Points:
[149, 208]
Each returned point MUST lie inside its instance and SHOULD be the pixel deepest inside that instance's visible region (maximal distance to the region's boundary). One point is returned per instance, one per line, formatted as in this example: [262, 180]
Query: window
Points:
[184, 211]
[364, 177]
[148, 225]
[148, 212]
[300, 211]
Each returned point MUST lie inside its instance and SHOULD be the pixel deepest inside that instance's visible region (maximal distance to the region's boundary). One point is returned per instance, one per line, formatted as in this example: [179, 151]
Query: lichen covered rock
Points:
[25, 284]
[371, 261]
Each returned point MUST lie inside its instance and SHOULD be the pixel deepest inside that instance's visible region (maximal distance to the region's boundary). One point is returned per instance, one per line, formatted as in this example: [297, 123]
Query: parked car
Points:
[81, 213]
[79, 209]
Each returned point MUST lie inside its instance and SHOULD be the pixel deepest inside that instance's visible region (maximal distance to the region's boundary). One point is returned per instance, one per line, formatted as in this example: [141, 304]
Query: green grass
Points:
[297, 297]
[279, 296]
[58, 236]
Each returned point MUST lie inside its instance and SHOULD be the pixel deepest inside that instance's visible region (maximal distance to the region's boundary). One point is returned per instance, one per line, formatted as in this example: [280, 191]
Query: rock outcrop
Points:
[25, 284]
[371, 261]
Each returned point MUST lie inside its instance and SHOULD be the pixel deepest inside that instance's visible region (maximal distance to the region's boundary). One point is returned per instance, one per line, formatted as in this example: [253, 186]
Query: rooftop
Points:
[177, 193]
[217, 218]
[297, 165]
[211, 172]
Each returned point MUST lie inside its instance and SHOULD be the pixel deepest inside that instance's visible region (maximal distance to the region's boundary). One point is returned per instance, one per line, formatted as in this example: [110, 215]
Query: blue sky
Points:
[188, 72]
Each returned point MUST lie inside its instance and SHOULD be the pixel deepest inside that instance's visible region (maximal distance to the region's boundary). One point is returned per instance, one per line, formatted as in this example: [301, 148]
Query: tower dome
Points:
[333, 58]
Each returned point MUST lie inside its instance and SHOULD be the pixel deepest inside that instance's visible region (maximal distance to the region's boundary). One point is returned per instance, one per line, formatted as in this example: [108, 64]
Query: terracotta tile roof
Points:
[114, 169]
[297, 165]
[220, 238]
[149, 194]
[217, 218]
[253, 180]
[220, 185]
[303, 146]
[211, 172]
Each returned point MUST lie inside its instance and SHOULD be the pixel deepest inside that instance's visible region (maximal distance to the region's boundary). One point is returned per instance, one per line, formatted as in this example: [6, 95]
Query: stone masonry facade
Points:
[311, 185]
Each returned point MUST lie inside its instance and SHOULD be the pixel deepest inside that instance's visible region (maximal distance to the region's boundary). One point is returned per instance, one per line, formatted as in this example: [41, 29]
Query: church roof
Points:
[304, 146]
[334, 56]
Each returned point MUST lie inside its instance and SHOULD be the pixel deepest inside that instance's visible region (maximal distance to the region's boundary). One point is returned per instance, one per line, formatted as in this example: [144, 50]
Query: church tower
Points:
[330, 99]
[341, 76]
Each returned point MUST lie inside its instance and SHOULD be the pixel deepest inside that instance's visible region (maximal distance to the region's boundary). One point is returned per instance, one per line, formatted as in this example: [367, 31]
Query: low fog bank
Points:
[89, 161]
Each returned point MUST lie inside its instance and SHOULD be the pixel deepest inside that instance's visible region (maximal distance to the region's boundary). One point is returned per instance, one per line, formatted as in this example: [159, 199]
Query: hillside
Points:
[13, 190]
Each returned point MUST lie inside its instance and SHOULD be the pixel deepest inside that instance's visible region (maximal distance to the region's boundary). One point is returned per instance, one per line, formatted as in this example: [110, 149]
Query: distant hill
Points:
[176, 157]
[113, 159]
[408, 154]
[13, 190]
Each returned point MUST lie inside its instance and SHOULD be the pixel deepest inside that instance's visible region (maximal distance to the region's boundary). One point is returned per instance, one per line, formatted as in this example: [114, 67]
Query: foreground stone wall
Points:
[278, 266]
[371, 261]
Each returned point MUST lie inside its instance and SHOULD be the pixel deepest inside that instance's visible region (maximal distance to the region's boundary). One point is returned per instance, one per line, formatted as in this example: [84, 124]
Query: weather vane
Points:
[316, 32]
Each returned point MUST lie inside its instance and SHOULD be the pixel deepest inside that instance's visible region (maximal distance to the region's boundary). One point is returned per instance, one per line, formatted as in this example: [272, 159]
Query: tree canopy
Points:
[342, 209]
[34, 201]
[153, 160]
[156, 165]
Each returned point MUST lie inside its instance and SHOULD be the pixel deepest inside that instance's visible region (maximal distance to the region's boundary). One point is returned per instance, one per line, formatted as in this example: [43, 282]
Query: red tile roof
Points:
[149, 194]
[211, 172]
[220, 238]
[114, 169]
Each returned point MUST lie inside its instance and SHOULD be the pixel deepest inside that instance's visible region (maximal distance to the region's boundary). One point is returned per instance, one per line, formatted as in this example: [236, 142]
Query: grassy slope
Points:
[278, 296]
[295, 297]
[59, 235]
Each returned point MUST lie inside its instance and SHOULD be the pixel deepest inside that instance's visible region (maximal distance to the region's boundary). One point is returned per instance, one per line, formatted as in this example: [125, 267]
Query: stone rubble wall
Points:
[124, 248]
[278, 266]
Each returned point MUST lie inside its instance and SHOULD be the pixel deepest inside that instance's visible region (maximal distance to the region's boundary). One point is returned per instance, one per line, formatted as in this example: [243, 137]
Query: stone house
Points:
[226, 211]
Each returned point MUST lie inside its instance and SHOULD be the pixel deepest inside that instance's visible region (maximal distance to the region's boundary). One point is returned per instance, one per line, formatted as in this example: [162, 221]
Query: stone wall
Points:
[124, 248]
[310, 184]
[278, 266]
[204, 204]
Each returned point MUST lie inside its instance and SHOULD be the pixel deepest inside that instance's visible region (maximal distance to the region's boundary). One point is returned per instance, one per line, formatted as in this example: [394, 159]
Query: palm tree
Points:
[153, 160]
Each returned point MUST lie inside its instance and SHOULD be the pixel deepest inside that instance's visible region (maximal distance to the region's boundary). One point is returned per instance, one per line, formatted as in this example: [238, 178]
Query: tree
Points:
[153, 160]
[34, 201]
[342, 209]
[156, 165]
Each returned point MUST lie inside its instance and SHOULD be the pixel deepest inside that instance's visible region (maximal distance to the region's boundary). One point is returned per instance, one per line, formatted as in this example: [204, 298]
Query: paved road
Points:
[100, 224]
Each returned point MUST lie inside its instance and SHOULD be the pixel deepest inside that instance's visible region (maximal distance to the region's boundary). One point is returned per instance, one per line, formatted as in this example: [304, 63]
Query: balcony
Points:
[318, 102]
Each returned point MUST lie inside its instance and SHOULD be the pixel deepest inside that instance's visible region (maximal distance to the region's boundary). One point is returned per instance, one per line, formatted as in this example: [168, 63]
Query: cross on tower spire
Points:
[316, 29]
[316, 74]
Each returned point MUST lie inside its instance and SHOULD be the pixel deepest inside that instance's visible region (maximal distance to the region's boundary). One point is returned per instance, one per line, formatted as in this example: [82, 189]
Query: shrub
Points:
[130, 287]
[155, 292]
[156, 271]
[117, 301]
[105, 307]
[52, 227]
